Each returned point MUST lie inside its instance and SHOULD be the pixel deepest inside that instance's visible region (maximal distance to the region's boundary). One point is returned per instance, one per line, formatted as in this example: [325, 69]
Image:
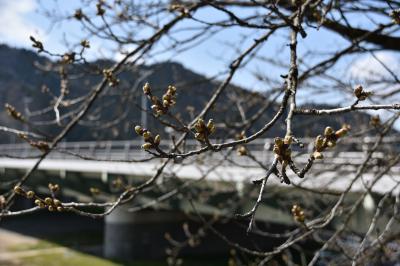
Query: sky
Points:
[20, 19]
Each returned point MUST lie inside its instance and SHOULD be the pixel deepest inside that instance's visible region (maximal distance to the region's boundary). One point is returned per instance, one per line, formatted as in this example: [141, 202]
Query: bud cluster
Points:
[361, 94]
[109, 75]
[298, 213]
[94, 191]
[203, 130]
[85, 44]
[161, 107]
[52, 204]
[150, 141]
[78, 15]
[41, 145]
[179, 8]
[54, 187]
[37, 44]
[68, 58]
[328, 140]
[100, 9]
[282, 150]
[11, 111]
[117, 183]
[241, 150]
[395, 15]
[375, 121]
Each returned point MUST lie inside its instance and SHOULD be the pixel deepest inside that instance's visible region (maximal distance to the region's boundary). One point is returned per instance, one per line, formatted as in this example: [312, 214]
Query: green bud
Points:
[48, 201]
[138, 130]
[57, 202]
[319, 142]
[157, 139]
[30, 194]
[147, 146]
[18, 190]
[328, 131]
[146, 88]
[146, 135]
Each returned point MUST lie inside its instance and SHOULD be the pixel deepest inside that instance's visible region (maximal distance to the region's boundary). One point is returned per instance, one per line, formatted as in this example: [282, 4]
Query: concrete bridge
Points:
[99, 162]
[99, 159]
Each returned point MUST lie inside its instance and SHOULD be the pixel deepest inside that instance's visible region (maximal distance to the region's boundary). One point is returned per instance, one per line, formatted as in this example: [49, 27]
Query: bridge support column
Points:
[130, 236]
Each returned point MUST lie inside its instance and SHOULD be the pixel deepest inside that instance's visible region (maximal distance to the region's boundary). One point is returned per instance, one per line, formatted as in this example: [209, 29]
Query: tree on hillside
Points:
[296, 57]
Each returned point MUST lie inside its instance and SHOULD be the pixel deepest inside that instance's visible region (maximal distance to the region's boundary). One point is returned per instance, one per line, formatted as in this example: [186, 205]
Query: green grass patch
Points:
[40, 244]
[68, 258]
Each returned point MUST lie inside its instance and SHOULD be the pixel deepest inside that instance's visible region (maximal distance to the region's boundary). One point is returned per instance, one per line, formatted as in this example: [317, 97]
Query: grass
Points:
[73, 258]
[40, 244]
[69, 257]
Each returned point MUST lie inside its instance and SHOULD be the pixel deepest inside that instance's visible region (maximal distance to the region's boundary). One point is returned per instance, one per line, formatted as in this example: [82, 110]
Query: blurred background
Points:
[54, 56]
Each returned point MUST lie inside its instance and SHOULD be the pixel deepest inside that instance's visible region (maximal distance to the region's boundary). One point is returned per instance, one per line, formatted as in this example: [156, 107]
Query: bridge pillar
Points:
[138, 235]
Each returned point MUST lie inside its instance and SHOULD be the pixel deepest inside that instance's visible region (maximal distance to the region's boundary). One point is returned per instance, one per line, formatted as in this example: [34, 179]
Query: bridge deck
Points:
[334, 172]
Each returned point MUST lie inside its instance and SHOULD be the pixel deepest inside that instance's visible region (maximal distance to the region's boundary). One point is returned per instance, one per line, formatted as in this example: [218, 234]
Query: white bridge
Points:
[102, 158]
[127, 234]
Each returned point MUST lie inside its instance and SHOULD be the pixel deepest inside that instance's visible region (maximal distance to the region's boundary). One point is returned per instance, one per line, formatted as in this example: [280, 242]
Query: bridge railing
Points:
[348, 150]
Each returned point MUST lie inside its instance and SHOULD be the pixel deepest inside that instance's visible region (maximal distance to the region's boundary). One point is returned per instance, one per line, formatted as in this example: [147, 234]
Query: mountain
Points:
[22, 79]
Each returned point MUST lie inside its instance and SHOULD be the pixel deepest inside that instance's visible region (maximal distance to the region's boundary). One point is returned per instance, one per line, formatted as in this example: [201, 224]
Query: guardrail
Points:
[348, 150]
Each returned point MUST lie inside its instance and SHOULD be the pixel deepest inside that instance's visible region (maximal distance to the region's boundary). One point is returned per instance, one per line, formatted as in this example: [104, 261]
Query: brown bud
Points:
[30, 194]
[211, 127]
[85, 43]
[278, 142]
[358, 90]
[200, 125]
[276, 150]
[78, 14]
[94, 191]
[154, 99]
[317, 155]
[360, 93]
[100, 9]
[241, 135]
[139, 130]
[68, 58]
[54, 188]
[331, 144]
[157, 139]
[288, 140]
[319, 142]
[298, 213]
[48, 201]
[241, 151]
[146, 135]
[395, 15]
[199, 136]
[172, 89]
[18, 190]
[57, 202]
[147, 146]
[147, 88]
[328, 131]
[341, 132]
[375, 121]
